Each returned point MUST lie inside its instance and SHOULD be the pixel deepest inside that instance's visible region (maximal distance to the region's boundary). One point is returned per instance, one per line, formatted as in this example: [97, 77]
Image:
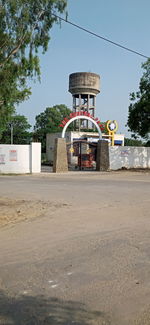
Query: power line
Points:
[101, 37]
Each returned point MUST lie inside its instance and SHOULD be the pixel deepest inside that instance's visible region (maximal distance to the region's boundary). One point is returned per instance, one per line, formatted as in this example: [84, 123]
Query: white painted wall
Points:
[35, 157]
[129, 157]
[148, 157]
[20, 159]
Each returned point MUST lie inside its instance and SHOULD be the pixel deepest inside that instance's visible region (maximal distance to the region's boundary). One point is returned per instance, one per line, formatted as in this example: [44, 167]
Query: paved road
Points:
[85, 260]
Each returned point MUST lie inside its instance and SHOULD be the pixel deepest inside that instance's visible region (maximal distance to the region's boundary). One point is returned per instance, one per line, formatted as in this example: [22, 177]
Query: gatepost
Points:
[102, 161]
[60, 164]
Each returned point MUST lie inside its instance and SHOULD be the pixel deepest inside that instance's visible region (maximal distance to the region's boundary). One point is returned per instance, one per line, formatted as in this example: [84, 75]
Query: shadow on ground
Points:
[29, 310]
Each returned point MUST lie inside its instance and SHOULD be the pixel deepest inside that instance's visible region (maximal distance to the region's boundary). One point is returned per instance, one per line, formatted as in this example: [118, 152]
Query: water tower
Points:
[84, 87]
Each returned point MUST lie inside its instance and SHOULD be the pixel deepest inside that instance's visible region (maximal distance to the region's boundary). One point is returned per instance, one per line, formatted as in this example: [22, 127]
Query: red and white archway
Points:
[81, 116]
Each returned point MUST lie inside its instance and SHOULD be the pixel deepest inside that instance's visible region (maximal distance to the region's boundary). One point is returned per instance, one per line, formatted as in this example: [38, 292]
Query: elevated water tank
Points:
[84, 83]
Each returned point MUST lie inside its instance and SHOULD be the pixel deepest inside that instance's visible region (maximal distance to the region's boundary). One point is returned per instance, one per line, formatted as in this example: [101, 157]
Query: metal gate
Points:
[81, 155]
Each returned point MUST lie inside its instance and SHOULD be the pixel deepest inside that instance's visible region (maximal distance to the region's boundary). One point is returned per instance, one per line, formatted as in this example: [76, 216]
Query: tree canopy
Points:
[19, 126]
[49, 121]
[139, 109]
[133, 142]
[24, 29]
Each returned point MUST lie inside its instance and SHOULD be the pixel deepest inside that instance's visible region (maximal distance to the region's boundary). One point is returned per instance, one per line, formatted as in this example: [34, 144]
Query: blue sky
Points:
[72, 50]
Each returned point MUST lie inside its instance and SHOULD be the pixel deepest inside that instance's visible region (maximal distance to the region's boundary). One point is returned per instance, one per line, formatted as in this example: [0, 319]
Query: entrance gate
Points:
[81, 155]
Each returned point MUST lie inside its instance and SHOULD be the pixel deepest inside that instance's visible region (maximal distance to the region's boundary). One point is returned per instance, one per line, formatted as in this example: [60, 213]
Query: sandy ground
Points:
[13, 211]
[75, 249]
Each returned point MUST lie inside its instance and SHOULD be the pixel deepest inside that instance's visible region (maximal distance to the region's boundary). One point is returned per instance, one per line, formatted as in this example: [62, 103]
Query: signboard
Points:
[2, 159]
[112, 126]
[12, 155]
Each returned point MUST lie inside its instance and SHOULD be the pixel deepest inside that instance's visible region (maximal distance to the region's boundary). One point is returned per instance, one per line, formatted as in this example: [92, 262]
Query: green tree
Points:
[20, 127]
[12, 91]
[49, 121]
[139, 109]
[133, 142]
[24, 30]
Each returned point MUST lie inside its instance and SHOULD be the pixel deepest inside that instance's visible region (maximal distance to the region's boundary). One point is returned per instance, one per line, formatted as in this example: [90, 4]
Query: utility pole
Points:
[11, 130]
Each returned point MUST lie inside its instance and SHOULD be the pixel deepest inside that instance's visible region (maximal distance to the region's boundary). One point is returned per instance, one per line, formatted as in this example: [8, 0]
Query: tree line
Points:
[18, 127]
[46, 122]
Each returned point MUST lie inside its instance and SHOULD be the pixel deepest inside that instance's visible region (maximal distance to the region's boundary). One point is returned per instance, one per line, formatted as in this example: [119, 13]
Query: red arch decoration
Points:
[75, 114]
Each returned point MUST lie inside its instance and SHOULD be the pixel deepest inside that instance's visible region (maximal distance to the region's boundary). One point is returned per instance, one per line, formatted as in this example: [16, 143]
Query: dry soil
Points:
[75, 249]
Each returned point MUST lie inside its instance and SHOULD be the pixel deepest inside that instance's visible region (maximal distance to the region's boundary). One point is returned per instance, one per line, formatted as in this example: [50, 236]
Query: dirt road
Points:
[75, 249]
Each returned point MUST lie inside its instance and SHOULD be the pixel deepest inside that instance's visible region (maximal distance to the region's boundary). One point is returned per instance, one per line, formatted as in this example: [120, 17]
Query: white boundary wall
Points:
[20, 159]
[129, 157]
